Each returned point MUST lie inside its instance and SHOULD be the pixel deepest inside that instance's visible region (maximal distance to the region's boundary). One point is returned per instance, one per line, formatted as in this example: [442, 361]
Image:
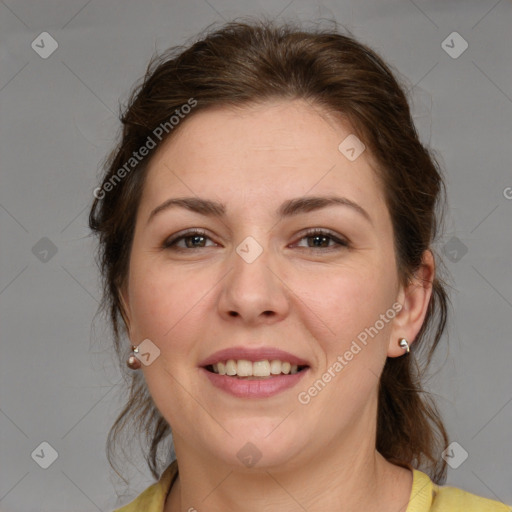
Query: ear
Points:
[414, 298]
[122, 293]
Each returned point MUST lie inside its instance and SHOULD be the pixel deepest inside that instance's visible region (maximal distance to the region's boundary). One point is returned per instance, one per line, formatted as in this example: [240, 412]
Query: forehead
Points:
[258, 152]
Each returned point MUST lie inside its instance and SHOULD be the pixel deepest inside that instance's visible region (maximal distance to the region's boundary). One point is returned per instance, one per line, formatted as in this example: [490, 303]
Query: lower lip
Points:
[259, 388]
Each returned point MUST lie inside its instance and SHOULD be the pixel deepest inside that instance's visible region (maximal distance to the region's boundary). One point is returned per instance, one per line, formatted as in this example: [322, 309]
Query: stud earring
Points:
[403, 344]
[133, 363]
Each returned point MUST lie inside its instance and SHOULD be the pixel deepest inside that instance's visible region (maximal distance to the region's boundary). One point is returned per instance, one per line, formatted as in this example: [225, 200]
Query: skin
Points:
[312, 302]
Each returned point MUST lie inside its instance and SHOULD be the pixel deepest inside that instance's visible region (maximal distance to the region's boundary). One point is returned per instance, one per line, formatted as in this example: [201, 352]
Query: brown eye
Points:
[321, 239]
[193, 239]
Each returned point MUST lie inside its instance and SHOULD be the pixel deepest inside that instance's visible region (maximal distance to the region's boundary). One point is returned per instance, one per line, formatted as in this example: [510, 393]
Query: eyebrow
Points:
[287, 209]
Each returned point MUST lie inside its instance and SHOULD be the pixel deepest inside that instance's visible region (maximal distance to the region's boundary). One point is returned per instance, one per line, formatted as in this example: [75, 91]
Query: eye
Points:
[320, 239]
[197, 239]
[194, 239]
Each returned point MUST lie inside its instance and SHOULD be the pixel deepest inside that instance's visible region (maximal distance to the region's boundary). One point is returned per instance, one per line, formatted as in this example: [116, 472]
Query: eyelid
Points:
[167, 243]
[340, 241]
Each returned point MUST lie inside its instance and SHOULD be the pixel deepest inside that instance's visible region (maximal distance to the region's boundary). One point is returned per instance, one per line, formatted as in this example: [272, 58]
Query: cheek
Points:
[343, 314]
[339, 303]
[162, 300]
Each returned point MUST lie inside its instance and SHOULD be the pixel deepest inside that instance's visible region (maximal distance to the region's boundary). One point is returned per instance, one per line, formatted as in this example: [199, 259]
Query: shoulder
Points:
[153, 498]
[454, 499]
[427, 496]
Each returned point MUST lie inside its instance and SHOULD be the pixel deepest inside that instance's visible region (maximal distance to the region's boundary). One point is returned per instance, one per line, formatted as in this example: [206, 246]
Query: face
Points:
[252, 278]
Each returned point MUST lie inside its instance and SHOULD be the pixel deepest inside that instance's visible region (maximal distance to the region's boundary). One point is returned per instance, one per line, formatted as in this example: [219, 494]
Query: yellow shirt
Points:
[426, 496]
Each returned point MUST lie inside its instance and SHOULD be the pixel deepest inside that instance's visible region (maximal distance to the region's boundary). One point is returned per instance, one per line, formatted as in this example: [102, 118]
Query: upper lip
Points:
[253, 354]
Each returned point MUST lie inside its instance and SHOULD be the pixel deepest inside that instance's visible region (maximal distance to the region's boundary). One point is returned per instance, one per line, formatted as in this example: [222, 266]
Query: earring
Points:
[133, 363]
[403, 344]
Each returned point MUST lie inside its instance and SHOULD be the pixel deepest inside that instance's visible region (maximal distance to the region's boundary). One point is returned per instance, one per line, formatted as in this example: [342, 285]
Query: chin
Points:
[261, 447]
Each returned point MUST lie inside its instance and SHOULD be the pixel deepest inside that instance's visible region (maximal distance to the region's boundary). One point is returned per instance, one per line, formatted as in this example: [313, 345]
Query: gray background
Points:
[59, 383]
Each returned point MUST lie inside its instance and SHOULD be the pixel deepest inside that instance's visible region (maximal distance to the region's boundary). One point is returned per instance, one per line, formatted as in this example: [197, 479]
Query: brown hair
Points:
[247, 62]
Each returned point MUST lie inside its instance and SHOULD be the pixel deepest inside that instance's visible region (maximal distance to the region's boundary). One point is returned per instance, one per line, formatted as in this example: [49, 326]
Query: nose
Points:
[254, 291]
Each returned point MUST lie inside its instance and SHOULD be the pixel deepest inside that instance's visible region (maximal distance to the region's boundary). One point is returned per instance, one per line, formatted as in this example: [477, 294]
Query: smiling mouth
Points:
[259, 370]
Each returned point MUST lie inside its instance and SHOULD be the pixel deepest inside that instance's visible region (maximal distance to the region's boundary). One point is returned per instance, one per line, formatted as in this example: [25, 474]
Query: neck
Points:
[348, 476]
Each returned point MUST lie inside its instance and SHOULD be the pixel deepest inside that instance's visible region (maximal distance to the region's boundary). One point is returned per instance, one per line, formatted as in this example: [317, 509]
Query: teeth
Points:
[220, 368]
[245, 368]
[275, 367]
[230, 367]
[261, 368]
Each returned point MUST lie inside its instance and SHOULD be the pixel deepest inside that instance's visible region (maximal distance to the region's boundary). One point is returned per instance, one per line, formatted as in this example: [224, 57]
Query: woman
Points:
[265, 227]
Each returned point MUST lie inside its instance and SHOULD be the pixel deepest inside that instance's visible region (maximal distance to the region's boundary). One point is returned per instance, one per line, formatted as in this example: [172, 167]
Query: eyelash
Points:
[170, 243]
